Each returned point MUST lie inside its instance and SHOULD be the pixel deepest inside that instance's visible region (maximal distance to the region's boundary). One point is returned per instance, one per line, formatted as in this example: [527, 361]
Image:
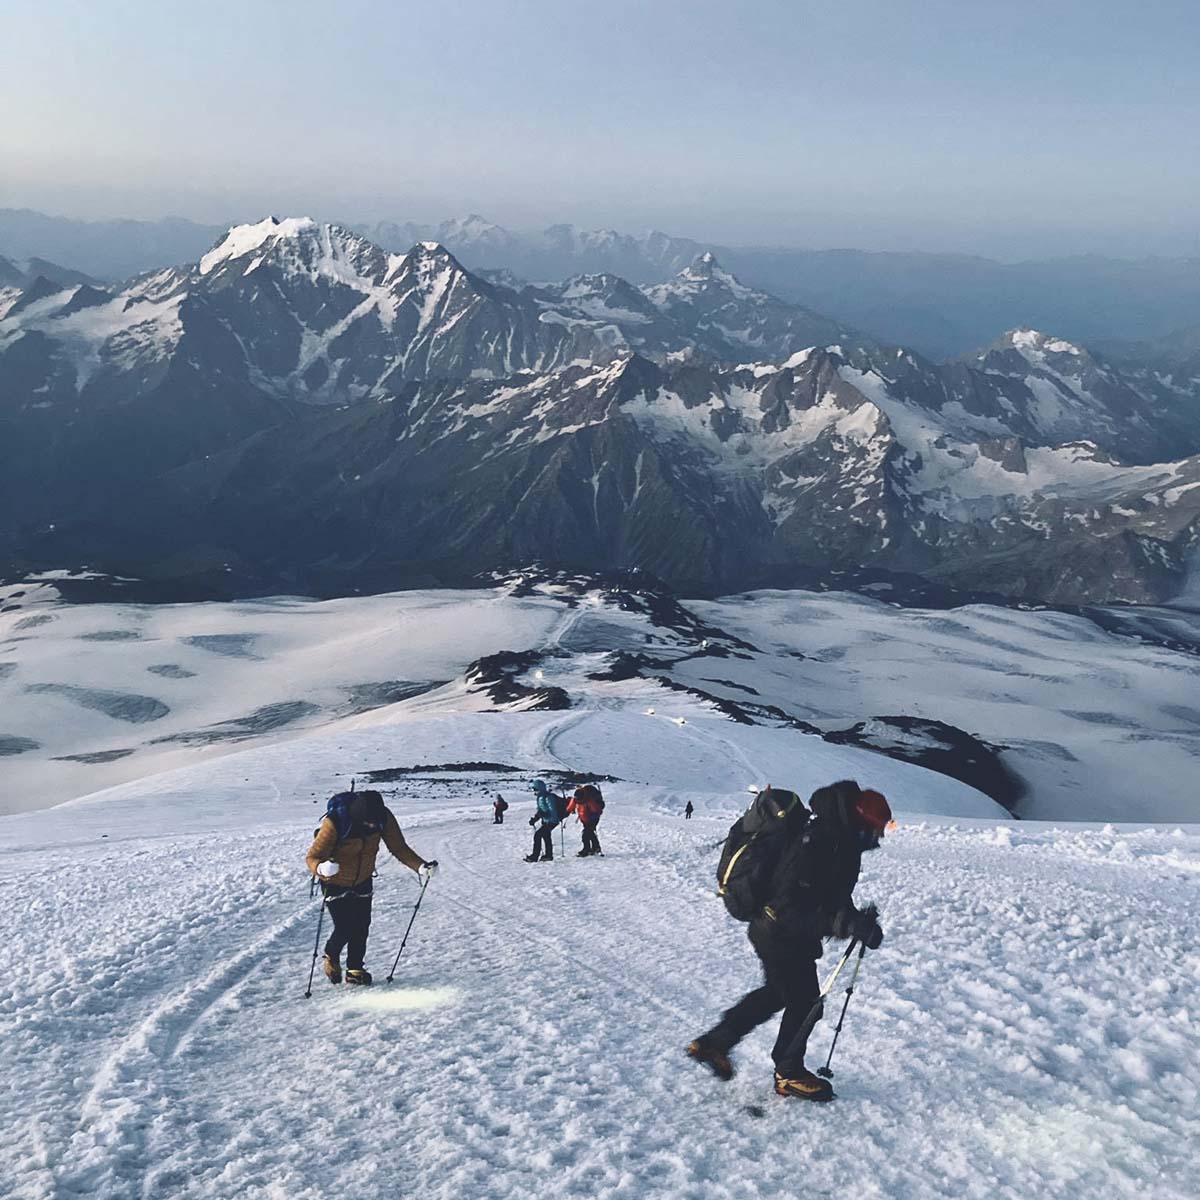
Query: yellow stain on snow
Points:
[385, 998]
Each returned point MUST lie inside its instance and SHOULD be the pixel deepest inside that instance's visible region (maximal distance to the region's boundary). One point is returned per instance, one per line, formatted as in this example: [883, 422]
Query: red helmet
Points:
[872, 811]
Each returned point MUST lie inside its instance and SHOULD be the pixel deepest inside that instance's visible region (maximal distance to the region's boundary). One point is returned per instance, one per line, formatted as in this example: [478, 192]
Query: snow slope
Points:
[1099, 725]
[99, 694]
[1027, 1029]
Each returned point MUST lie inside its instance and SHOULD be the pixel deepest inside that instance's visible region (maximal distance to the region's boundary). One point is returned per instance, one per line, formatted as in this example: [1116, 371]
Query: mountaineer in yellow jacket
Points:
[342, 857]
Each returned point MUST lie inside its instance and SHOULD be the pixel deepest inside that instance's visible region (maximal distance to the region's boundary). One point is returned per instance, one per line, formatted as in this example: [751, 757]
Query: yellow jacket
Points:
[355, 857]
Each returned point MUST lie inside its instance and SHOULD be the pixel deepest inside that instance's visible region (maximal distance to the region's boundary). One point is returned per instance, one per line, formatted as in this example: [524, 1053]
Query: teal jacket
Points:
[547, 809]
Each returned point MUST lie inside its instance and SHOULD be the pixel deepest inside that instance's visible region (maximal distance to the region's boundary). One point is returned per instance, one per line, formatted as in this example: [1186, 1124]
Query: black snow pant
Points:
[591, 843]
[789, 983]
[543, 841]
[687, 814]
[498, 819]
[351, 914]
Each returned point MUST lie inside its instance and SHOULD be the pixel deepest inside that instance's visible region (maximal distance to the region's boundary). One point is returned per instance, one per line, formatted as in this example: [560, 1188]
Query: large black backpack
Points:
[752, 848]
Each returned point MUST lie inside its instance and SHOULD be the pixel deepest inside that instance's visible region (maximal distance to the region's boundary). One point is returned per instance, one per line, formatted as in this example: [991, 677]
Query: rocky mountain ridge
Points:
[302, 406]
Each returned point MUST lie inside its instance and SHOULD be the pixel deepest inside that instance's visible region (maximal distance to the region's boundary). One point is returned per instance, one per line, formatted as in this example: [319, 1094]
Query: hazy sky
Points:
[1007, 129]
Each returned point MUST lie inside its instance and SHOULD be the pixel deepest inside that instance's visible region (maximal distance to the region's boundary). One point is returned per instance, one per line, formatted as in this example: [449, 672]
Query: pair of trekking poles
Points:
[312, 970]
[814, 1013]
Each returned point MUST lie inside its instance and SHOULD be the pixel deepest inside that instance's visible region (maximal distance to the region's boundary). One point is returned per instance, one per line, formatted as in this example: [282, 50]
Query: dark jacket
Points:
[813, 879]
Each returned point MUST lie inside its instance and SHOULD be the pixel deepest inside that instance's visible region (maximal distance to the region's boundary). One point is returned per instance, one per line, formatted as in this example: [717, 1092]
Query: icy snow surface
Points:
[1100, 726]
[227, 673]
[1027, 1029]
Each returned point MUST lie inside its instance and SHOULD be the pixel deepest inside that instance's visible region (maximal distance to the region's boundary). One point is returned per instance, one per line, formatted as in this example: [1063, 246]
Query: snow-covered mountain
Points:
[18, 276]
[560, 251]
[710, 477]
[295, 310]
[1077, 396]
[301, 406]
[311, 312]
[940, 304]
[732, 320]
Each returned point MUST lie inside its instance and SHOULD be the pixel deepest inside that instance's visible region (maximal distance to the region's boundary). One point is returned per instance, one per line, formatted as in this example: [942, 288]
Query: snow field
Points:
[1099, 726]
[241, 674]
[1027, 1028]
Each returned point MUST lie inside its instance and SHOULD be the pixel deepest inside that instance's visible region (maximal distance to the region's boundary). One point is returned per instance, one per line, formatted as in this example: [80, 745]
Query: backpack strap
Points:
[733, 863]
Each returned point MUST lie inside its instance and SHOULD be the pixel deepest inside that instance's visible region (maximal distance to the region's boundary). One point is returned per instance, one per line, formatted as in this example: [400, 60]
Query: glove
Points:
[327, 869]
[533, 821]
[427, 870]
[862, 926]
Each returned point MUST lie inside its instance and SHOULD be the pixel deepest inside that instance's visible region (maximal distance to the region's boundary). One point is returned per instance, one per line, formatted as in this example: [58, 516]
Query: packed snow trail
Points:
[1027, 1028]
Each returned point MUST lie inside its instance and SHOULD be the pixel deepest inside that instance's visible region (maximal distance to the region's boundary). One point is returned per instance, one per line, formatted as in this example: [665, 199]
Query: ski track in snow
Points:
[1026, 1028]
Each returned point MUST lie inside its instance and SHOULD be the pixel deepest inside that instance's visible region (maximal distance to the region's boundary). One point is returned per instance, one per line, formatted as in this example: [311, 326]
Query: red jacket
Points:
[586, 808]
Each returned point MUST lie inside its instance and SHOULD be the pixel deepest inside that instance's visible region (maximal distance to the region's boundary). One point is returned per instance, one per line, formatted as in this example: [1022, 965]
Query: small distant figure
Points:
[687, 812]
[588, 805]
[499, 808]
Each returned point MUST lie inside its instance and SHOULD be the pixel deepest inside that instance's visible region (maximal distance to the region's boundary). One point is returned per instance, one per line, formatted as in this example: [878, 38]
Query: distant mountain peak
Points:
[1026, 339]
[472, 225]
[705, 269]
[427, 258]
[241, 240]
[703, 266]
[431, 249]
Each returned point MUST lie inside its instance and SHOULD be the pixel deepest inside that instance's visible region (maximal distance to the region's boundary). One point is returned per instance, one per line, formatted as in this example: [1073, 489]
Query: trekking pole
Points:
[827, 1070]
[814, 1013]
[416, 909]
[316, 946]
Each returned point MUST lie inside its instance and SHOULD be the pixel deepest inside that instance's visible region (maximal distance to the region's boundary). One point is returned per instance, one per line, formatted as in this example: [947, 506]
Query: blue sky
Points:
[1011, 130]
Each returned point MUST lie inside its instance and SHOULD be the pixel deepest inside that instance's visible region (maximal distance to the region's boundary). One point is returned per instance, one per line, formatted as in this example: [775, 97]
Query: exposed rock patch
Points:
[121, 706]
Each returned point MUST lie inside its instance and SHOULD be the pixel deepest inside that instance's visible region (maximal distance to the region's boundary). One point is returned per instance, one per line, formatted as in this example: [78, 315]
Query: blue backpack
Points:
[356, 814]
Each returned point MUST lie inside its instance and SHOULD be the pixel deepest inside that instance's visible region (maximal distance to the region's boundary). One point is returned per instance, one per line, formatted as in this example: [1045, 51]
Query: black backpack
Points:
[752, 849]
[560, 805]
[589, 791]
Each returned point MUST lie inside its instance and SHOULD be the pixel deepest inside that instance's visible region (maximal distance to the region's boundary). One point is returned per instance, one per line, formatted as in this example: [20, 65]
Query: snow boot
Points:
[333, 969]
[360, 977]
[532, 858]
[583, 854]
[804, 1085]
[717, 1061]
